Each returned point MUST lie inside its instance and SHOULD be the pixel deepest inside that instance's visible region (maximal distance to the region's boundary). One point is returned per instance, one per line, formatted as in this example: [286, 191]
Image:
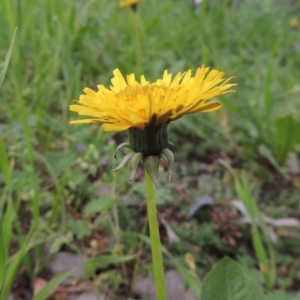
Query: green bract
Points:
[148, 146]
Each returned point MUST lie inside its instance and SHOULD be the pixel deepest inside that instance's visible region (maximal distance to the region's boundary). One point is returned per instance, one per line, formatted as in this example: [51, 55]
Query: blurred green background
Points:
[57, 188]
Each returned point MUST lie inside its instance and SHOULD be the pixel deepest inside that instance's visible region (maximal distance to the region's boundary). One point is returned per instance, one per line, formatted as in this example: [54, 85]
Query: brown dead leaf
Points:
[190, 261]
[172, 236]
[38, 285]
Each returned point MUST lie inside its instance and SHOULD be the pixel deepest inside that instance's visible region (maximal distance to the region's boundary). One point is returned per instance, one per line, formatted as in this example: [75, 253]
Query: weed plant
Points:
[61, 190]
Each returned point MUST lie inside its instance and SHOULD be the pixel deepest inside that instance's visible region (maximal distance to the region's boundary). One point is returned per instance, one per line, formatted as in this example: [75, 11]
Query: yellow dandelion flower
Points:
[124, 3]
[128, 103]
[146, 109]
[294, 23]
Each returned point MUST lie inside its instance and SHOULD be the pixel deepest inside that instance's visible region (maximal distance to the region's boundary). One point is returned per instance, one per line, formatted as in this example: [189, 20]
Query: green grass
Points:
[53, 174]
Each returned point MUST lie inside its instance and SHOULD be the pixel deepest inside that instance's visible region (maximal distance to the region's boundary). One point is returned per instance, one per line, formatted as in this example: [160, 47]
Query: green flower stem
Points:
[157, 261]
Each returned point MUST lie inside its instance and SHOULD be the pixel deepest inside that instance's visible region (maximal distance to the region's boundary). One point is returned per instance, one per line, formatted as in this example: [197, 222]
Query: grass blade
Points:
[51, 286]
[3, 254]
[4, 65]
[12, 268]
[4, 162]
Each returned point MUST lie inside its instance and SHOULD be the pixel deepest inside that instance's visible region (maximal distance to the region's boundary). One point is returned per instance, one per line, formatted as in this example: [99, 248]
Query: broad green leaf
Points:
[287, 135]
[228, 281]
[4, 65]
[268, 154]
[282, 296]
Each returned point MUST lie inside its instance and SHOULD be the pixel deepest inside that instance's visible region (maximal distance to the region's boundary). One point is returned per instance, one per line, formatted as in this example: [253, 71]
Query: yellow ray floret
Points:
[128, 103]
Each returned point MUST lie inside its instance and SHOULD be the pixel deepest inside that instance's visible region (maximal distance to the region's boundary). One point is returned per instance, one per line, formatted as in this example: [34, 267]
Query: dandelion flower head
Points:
[129, 103]
[294, 22]
[124, 3]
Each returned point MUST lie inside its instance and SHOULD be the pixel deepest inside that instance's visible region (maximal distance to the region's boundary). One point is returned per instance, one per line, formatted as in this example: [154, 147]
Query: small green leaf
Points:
[99, 205]
[228, 281]
[282, 296]
[105, 260]
[79, 228]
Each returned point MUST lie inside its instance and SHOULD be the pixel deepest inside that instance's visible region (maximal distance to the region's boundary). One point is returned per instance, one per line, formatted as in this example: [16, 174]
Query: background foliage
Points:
[57, 189]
